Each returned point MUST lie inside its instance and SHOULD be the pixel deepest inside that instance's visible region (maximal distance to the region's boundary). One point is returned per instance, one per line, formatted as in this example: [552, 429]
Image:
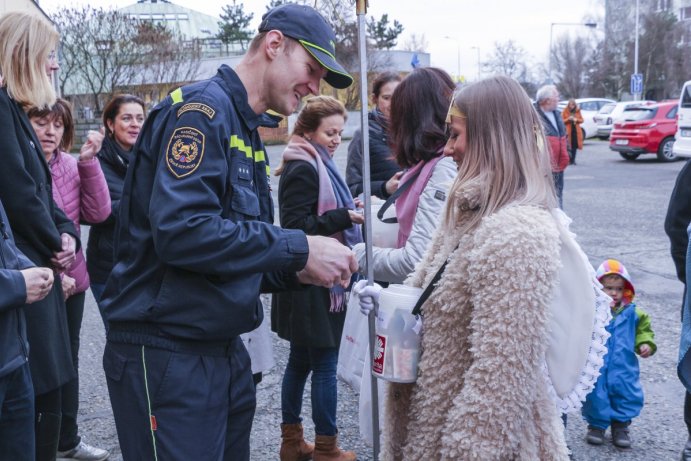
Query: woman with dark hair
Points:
[418, 136]
[384, 171]
[42, 231]
[123, 117]
[80, 190]
[313, 197]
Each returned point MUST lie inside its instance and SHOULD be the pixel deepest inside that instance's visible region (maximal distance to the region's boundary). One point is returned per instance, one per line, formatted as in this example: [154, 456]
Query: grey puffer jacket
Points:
[393, 265]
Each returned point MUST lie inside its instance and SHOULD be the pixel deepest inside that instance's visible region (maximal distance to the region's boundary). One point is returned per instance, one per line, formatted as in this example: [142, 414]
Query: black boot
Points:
[47, 436]
[620, 434]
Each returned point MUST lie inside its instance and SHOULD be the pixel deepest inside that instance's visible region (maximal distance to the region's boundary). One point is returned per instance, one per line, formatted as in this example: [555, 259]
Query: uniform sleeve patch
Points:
[199, 107]
[185, 151]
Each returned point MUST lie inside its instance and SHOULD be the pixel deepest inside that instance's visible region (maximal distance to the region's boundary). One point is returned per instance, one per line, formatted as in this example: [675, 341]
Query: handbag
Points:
[352, 353]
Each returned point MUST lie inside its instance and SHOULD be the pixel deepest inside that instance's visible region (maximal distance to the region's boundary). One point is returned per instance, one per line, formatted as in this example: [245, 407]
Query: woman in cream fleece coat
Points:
[481, 393]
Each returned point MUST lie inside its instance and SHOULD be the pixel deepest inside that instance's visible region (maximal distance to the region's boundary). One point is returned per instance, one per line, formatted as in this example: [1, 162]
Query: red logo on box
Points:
[379, 354]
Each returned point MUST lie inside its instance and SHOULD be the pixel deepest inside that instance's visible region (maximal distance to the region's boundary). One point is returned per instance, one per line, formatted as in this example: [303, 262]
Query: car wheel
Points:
[583, 131]
[603, 138]
[627, 156]
[664, 152]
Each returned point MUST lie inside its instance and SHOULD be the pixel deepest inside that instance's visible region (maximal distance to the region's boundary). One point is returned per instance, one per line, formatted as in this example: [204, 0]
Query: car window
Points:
[589, 105]
[672, 113]
[686, 98]
[607, 108]
[639, 113]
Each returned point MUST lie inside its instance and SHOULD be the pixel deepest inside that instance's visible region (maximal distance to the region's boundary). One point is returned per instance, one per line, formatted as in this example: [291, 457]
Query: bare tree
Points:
[507, 58]
[416, 43]
[104, 51]
[571, 58]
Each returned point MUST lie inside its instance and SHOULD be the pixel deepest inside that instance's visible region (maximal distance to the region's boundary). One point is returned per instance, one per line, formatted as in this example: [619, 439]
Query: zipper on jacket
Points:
[5, 237]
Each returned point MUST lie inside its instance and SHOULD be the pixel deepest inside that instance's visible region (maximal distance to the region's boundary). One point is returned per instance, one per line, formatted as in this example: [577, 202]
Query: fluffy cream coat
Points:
[480, 393]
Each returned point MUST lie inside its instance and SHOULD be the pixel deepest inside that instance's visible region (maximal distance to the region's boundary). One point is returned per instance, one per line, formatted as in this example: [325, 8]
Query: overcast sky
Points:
[468, 23]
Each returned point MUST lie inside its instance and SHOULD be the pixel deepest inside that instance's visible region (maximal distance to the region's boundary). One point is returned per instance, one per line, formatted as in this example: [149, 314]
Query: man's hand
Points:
[38, 281]
[62, 260]
[329, 263]
[68, 286]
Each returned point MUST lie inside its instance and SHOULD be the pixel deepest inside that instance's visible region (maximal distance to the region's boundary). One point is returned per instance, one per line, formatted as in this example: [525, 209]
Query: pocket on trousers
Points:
[113, 364]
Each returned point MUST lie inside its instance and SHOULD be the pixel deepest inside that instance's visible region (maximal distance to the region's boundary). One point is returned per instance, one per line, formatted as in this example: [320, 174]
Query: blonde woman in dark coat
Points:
[42, 231]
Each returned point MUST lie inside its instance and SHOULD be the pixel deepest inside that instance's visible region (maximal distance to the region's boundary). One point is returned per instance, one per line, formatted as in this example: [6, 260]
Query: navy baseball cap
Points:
[307, 26]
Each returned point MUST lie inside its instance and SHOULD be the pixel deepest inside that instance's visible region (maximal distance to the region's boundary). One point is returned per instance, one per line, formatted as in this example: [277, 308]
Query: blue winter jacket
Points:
[195, 243]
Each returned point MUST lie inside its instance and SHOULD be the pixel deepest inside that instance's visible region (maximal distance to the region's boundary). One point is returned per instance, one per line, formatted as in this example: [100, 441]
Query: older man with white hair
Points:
[547, 99]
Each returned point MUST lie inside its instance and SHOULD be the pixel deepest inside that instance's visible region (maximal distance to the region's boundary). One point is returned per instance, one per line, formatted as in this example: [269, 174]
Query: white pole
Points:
[367, 192]
[636, 96]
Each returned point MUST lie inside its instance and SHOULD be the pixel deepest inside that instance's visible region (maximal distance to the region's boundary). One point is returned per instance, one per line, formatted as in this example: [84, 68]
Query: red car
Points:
[646, 130]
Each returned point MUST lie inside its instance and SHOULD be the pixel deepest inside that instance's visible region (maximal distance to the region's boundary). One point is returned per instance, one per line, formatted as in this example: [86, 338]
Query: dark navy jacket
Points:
[194, 243]
[14, 347]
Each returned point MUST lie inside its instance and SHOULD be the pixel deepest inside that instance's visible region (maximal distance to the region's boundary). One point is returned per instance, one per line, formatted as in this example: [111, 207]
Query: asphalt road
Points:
[617, 207]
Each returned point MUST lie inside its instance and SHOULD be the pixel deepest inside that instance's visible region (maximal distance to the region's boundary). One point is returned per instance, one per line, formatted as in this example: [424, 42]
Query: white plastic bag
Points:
[354, 344]
[365, 403]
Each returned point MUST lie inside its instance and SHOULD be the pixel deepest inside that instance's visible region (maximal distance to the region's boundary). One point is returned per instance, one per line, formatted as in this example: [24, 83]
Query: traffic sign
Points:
[636, 84]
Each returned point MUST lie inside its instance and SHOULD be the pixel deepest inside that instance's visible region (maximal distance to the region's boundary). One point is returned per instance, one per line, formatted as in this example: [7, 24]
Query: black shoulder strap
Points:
[417, 310]
[390, 201]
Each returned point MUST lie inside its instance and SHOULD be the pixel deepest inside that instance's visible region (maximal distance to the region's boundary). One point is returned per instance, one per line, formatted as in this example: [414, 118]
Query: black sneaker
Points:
[686, 453]
[595, 436]
[620, 437]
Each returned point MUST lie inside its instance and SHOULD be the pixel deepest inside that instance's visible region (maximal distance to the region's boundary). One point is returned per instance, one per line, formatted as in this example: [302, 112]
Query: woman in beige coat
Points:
[481, 393]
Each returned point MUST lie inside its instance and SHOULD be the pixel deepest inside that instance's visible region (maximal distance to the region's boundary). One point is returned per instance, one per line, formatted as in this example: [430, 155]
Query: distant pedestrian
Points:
[384, 171]
[555, 131]
[618, 395]
[571, 115]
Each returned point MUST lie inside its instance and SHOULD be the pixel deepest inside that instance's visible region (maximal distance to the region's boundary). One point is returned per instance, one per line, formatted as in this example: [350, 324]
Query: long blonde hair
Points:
[506, 151]
[26, 41]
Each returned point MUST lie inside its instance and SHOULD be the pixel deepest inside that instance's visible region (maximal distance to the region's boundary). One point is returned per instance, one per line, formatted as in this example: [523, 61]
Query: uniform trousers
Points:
[180, 405]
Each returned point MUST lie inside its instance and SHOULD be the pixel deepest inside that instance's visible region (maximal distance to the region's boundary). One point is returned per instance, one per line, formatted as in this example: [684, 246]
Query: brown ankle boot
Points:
[293, 446]
[326, 449]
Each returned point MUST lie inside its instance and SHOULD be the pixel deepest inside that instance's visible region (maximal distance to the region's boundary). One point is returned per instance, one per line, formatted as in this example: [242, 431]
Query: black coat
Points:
[382, 163]
[678, 219]
[303, 317]
[26, 193]
[99, 251]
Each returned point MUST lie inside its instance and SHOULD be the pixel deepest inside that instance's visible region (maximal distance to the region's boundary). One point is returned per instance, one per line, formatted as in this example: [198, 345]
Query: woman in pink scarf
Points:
[313, 197]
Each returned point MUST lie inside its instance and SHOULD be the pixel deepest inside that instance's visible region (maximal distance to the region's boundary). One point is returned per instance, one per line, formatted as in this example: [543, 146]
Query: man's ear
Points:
[273, 43]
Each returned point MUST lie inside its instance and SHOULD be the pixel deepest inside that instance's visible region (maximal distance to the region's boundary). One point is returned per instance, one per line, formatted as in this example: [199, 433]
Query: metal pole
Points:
[479, 68]
[549, 55]
[367, 192]
[636, 96]
[458, 49]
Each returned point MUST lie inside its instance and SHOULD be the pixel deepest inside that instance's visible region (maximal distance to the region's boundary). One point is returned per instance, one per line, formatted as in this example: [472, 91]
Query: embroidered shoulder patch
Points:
[199, 107]
[185, 151]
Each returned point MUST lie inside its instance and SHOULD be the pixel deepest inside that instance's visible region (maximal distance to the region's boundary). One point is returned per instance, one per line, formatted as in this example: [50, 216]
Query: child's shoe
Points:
[620, 435]
[595, 436]
[686, 453]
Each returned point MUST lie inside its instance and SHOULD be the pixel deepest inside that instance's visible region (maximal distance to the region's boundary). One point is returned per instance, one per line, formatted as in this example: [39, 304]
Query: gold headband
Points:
[454, 111]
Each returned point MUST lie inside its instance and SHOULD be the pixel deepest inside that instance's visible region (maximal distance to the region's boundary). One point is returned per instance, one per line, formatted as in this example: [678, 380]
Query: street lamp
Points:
[592, 25]
[479, 68]
[458, 49]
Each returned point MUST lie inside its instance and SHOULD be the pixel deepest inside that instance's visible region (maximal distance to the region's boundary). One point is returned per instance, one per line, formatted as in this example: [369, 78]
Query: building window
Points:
[183, 16]
[685, 13]
[170, 17]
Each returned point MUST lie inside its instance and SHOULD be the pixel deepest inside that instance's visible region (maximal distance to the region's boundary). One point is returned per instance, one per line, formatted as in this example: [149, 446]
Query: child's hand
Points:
[644, 351]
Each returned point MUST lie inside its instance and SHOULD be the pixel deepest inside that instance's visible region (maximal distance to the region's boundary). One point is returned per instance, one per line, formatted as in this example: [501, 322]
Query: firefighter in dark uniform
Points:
[195, 245]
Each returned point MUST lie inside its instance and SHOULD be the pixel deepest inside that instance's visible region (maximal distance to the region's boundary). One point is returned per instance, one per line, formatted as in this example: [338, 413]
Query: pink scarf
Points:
[406, 204]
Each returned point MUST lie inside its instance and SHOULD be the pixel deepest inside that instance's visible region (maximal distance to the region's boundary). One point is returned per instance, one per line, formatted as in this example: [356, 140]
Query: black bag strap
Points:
[390, 201]
[417, 310]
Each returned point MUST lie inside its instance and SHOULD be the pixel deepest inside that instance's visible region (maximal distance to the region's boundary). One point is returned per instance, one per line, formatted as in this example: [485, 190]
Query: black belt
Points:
[151, 336]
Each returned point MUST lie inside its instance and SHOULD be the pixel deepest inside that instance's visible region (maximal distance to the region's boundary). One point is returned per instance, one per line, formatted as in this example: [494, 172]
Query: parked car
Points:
[682, 143]
[611, 113]
[589, 107]
[646, 130]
